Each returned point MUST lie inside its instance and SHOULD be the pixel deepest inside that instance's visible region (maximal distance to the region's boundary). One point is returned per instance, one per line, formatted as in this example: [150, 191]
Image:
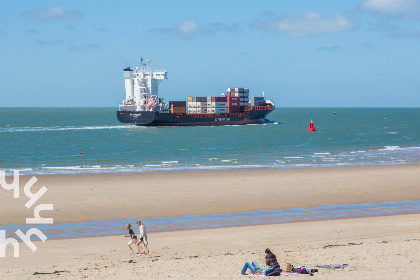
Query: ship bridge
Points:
[142, 88]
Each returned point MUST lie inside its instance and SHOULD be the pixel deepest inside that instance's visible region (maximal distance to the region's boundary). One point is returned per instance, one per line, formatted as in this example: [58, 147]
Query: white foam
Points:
[293, 157]
[66, 128]
[391, 148]
[170, 162]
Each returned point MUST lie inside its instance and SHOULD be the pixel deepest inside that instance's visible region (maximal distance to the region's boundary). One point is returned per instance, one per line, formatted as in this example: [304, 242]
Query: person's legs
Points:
[129, 246]
[146, 250]
[248, 265]
[138, 246]
[255, 265]
[252, 267]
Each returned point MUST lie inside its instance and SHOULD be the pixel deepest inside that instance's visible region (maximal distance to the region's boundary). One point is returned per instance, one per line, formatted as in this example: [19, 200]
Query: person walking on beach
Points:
[143, 238]
[133, 237]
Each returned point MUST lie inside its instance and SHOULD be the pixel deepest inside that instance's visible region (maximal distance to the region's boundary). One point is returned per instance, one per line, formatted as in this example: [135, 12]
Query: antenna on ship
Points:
[148, 64]
[263, 92]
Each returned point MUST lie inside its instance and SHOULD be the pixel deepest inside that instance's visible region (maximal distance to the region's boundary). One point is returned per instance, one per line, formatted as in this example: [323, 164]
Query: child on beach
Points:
[132, 236]
[143, 238]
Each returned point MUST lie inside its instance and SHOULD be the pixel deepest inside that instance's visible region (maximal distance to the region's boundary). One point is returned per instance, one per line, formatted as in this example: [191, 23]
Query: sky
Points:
[325, 53]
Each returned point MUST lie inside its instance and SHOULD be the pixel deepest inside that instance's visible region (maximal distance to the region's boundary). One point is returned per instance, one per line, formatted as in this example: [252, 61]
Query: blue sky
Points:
[322, 53]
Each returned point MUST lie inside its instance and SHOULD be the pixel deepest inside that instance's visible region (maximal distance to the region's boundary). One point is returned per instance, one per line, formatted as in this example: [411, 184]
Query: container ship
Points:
[143, 107]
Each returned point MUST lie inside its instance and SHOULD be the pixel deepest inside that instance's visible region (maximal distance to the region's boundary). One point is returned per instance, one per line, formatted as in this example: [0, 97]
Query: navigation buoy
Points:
[262, 146]
[81, 153]
[311, 126]
[335, 114]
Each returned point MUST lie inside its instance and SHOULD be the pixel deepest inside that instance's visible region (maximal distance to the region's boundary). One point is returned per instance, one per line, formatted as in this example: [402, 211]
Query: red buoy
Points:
[311, 126]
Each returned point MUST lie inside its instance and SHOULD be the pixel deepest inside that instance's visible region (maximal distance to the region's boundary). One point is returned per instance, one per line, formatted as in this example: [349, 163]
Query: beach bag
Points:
[289, 267]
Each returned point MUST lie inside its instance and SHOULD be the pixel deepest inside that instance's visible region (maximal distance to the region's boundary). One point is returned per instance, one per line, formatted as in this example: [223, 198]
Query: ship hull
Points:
[147, 118]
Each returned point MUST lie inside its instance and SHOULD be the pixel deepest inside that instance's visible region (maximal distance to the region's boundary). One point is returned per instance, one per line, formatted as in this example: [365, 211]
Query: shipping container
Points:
[234, 109]
[221, 110]
[220, 99]
[201, 99]
[221, 104]
[178, 110]
[246, 90]
[177, 103]
[190, 99]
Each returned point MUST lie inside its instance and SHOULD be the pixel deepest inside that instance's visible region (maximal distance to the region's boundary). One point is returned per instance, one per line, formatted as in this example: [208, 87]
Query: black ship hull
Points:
[147, 118]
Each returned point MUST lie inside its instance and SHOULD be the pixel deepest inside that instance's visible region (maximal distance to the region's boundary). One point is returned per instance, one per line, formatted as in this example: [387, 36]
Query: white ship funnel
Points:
[129, 83]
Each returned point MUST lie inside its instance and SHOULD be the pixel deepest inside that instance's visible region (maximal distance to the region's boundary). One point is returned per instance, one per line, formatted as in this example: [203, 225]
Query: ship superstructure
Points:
[142, 88]
[142, 105]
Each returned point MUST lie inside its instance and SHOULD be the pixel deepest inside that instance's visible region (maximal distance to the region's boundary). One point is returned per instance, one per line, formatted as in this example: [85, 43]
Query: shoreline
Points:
[261, 217]
[78, 198]
[194, 169]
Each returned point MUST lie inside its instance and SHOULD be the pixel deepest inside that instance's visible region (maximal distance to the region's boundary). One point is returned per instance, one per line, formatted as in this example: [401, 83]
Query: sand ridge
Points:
[78, 198]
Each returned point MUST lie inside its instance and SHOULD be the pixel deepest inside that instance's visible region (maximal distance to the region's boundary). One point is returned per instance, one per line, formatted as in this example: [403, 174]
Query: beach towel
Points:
[282, 274]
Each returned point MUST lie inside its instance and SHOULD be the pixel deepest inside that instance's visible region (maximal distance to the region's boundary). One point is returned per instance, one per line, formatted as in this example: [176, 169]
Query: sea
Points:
[91, 140]
[50, 141]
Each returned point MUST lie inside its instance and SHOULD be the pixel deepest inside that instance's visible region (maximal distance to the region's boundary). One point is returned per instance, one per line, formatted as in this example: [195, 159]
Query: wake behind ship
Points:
[143, 107]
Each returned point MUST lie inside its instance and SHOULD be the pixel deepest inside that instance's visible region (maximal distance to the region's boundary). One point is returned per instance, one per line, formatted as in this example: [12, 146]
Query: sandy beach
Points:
[79, 198]
[383, 247]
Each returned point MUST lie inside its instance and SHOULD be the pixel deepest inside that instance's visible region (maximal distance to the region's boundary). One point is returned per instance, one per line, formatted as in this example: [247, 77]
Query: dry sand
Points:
[79, 198]
[385, 247]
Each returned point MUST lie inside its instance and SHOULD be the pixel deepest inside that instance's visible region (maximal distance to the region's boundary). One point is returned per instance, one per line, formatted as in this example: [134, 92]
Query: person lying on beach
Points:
[272, 267]
[253, 267]
[143, 238]
[133, 237]
[304, 270]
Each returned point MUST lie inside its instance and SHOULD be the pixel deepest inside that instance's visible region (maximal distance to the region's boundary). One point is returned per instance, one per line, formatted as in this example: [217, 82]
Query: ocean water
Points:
[91, 140]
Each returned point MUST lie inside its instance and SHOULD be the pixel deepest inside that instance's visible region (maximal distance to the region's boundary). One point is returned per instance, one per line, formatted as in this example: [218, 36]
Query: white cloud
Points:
[52, 13]
[305, 24]
[407, 8]
[189, 29]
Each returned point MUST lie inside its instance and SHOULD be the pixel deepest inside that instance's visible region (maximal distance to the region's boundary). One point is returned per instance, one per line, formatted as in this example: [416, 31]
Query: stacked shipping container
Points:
[213, 104]
[177, 107]
[229, 102]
